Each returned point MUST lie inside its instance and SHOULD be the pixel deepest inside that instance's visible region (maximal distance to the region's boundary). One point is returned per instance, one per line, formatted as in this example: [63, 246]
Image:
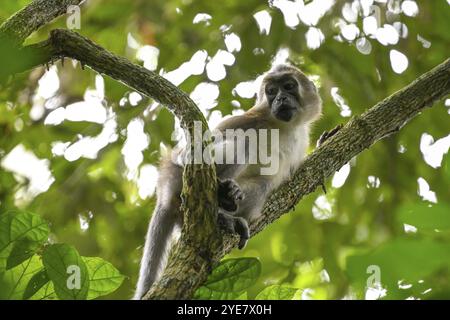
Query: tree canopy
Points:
[80, 150]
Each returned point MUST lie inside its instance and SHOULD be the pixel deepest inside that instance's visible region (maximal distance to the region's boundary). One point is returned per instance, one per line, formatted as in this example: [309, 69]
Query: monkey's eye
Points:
[289, 86]
[271, 91]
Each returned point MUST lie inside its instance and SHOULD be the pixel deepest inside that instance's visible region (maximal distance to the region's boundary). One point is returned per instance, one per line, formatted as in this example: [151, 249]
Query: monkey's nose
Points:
[281, 99]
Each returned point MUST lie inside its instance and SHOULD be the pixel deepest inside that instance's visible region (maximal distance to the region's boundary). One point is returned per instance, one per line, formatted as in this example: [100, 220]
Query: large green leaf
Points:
[67, 270]
[13, 282]
[104, 278]
[277, 292]
[426, 216]
[230, 278]
[21, 233]
[234, 275]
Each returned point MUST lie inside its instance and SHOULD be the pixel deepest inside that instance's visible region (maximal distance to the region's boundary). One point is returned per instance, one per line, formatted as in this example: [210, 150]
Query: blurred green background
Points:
[99, 203]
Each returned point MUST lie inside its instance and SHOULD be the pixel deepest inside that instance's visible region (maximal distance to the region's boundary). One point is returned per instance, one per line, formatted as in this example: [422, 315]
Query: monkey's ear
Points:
[308, 85]
[260, 95]
[260, 84]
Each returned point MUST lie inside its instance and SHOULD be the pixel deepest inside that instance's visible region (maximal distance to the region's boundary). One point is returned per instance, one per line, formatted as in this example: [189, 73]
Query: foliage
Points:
[230, 279]
[391, 210]
[34, 269]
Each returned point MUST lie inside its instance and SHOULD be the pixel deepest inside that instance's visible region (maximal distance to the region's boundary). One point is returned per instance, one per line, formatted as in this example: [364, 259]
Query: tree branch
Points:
[35, 15]
[385, 118]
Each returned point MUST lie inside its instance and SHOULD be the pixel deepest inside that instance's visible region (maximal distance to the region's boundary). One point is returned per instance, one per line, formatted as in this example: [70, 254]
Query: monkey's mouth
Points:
[285, 113]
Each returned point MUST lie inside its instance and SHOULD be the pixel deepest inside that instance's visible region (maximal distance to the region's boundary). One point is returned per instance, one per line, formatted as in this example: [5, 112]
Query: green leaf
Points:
[22, 250]
[104, 278]
[13, 282]
[234, 275]
[242, 296]
[67, 270]
[426, 216]
[230, 278]
[16, 226]
[36, 282]
[47, 292]
[277, 292]
[204, 293]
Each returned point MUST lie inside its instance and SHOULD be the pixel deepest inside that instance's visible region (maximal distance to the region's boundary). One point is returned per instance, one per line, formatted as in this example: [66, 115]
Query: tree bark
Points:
[202, 245]
[37, 14]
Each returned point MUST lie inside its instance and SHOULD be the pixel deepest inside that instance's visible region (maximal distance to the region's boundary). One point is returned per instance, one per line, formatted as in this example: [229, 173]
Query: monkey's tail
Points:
[157, 245]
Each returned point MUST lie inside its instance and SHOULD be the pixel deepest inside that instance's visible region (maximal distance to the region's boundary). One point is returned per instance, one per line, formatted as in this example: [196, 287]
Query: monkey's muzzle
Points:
[284, 112]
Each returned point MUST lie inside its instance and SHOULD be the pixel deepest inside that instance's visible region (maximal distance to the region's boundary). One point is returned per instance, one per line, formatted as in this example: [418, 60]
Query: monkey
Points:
[287, 102]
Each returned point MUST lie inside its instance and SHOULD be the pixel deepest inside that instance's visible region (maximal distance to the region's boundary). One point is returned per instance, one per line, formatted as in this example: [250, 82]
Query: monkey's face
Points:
[283, 96]
[290, 95]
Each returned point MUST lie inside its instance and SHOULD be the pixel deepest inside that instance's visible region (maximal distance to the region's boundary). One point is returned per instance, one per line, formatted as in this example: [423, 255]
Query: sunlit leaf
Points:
[204, 293]
[37, 281]
[230, 278]
[22, 250]
[27, 227]
[234, 275]
[104, 278]
[13, 282]
[67, 270]
[277, 292]
[46, 292]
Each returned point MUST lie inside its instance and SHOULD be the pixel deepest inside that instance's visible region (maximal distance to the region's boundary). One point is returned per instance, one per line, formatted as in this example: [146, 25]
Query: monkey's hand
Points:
[328, 134]
[237, 225]
[229, 194]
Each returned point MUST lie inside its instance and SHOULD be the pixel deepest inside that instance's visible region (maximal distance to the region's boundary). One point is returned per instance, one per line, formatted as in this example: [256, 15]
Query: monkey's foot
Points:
[237, 225]
[328, 134]
[229, 194]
